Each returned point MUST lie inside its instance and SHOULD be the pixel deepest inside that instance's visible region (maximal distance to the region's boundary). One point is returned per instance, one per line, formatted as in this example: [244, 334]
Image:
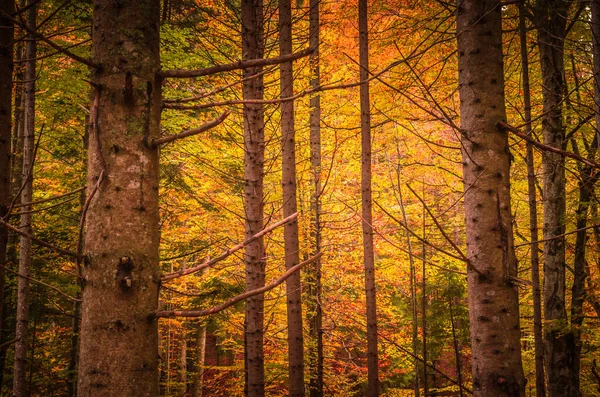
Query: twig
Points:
[195, 131]
[84, 210]
[10, 342]
[237, 298]
[50, 198]
[507, 127]
[185, 272]
[52, 44]
[245, 64]
[33, 280]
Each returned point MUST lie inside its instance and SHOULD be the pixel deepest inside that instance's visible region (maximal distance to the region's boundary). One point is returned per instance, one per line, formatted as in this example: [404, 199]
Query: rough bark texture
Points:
[119, 337]
[367, 204]
[254, 154]
[314, 310]
[6, 75]
[540, 383]
[290, 229]
[551, 20]
[25, 249]
[493, 298]
[200, 359]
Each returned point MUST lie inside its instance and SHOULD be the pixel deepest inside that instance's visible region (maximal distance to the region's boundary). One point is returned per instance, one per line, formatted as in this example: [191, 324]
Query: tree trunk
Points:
[119, 337]
[367, 203]
[493, 298]
[25, 252]
[551, 19]
[424, 299]
[201, 350]
[290, 229]
[533, 218]
[456, 350]
[6, 75]
[254, 154]
[314, 308]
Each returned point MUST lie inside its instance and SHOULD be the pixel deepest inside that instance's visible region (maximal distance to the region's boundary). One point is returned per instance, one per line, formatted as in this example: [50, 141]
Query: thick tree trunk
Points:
[314, 308]
[493, 298]
[25, 251]
[119, 337]
[367, 204]
[551, 19]
[290, 229]
[254, 155]
[6, 75]
[540, 383]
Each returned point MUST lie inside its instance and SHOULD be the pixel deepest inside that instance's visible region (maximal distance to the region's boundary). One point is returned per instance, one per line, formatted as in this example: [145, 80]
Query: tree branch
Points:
[33, 280]
[50, 198]
[185, 272]
[237, 298]
[52, 44]
[507, 127]
[245, 64]
[195, 131]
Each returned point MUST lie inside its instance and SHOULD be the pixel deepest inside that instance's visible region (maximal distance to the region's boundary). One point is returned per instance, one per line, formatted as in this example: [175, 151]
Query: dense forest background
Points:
[423, 342]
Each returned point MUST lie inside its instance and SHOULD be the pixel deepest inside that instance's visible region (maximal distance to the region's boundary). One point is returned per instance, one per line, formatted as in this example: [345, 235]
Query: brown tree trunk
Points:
[25, 252]
[551, 19]
[314, 308]
[424, 298]
[290, 229]
[493, 298]
[254, 155]
[540, 383]
[6, 75]
[200, 351]
[119, 338]
[367, 203]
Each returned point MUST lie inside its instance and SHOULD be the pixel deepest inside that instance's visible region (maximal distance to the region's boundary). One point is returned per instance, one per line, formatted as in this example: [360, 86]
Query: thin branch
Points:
[50, 198]
[52, 44]
[245, 64]
[33, 280]
[237, 298]
[194, 131]
[84, 210]
[10, 342]
[185, 272]
[507, 127]
[44, 208]
[38, 241]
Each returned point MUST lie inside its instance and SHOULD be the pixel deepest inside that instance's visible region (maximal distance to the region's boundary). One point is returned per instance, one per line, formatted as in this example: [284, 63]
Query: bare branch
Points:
[50, 198]
[194, 131]
[52, 44]
[237, 298]
[33, 280]
[182, 73]
[185, 272]
[507, 127]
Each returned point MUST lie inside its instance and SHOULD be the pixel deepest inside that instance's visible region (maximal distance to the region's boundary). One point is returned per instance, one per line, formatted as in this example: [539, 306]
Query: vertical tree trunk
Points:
[540, 383]
[456, 350]
[314, 308]
[119, 338]
[290, 229]
[200, 351]
[493, 298]
[6, 75]
[551, 19]
[182, 373]
[367, 203]
[25, 252]
[254, 155]
[424, 300]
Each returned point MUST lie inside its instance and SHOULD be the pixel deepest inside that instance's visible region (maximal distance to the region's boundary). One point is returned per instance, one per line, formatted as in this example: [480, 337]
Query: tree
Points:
[491, 267]
[119, 335]
[291, 243]
[25, 249]
[367, 203]
[254, 157]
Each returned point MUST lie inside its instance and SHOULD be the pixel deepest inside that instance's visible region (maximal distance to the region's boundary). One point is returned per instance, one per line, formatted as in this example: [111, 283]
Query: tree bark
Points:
[25, 249]
[367, 204]
[493, 298]
[540, 383]
[290, 229]
[551, 19]
[200, 351]
[254, 155]
[119, 337]
[6, 75]
[314, 308]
